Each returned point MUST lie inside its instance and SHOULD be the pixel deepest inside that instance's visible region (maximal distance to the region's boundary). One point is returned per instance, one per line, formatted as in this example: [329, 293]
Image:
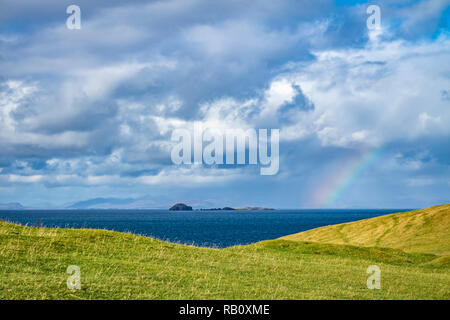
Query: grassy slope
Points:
[426, 231]
[114, 265]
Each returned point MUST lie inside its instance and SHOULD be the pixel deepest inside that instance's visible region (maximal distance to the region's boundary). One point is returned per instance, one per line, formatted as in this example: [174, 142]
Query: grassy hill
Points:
[426, 231]
[33, 263]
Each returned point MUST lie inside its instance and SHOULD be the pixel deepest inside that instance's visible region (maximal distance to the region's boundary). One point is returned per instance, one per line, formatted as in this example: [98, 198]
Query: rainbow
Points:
[327, 195]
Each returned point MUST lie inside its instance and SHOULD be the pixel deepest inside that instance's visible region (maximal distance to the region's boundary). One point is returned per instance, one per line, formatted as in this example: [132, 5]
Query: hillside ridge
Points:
[425, 230]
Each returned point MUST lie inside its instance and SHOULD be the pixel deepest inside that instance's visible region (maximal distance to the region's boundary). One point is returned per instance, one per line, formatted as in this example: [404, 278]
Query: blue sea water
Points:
[201, 228]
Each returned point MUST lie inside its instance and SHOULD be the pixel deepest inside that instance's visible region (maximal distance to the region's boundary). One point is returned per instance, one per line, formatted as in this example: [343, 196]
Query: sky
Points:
[363, 114]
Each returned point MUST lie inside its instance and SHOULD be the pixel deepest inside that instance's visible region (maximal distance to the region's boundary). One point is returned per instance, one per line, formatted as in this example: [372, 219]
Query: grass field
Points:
[426, 231]
[411, 250]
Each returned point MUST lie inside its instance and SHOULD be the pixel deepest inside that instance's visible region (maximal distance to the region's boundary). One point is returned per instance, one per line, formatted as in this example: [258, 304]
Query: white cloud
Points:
[12, 95]
[25, 179]
[376, 94]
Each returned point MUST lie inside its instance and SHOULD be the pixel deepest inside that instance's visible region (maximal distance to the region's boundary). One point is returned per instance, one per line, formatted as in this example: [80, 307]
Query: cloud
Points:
[94, 108]
[360, 95]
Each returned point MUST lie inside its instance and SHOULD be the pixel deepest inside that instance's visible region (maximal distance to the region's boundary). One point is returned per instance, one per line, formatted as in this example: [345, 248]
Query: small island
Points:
[253, 208]
[239, 208]
[217, 209]
[184, 207]
[180, 207]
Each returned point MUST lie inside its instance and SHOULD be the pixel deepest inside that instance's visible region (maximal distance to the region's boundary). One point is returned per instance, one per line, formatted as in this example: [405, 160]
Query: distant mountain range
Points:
[95, 203]
[102, 203]
[11, 206]
[120, 203]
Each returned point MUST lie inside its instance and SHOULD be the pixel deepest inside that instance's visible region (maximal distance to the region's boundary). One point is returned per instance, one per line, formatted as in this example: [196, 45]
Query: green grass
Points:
[33, 263]
[426, 231]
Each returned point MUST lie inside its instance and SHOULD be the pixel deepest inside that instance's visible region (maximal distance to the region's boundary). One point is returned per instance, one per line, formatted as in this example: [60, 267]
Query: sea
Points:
[217, 229]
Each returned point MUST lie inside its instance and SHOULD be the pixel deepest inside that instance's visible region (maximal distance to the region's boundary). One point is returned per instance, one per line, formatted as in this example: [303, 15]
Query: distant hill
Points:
[180, 207]
[101, 203]
[11, 206]
[144, 202]
[426, 231]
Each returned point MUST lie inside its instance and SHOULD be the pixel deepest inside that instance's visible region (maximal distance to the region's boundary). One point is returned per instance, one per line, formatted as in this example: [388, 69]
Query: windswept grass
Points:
[33, 263]
[426, 231]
